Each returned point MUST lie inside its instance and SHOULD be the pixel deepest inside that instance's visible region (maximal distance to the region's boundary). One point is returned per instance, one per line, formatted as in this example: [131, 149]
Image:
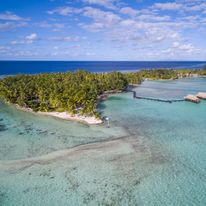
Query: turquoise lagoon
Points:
[153, 154]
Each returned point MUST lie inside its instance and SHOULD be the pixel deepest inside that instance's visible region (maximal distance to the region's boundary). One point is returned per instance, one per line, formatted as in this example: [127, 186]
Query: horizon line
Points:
[103, 60]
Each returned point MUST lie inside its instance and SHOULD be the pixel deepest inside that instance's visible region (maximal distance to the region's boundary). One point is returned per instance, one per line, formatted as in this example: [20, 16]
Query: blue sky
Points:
[103, 30]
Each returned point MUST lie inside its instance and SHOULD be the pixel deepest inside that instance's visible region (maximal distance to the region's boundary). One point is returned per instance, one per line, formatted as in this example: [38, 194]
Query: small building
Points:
[192, 98]
[201, 95]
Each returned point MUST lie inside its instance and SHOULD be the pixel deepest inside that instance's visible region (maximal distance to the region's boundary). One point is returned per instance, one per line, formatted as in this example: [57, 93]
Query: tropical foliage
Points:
[75, 92]
[72, 92]
[159, 74]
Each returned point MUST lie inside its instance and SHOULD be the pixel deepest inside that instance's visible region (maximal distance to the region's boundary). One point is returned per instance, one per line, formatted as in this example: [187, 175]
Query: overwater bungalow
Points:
[192, 98]
[201, 95]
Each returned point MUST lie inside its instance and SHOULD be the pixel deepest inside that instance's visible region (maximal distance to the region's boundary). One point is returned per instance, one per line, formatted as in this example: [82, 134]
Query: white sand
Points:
[65, 116]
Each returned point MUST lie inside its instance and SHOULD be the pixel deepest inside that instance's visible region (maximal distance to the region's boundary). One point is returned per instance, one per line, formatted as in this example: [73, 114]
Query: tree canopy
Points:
[75, 92]
[69, 91]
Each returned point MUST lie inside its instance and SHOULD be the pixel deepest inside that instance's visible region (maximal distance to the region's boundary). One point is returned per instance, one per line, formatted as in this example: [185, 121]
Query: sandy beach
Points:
[67, 116]
[91, 120]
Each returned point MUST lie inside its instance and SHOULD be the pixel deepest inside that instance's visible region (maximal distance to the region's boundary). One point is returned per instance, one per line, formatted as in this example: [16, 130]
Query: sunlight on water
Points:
[153, 154]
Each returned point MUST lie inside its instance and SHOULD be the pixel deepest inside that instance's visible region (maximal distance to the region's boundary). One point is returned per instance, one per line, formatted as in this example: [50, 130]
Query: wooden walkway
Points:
[155, 99]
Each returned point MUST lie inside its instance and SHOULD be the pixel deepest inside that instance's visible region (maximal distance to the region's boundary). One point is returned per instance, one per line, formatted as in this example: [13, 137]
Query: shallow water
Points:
[24, 135]
[153, 153]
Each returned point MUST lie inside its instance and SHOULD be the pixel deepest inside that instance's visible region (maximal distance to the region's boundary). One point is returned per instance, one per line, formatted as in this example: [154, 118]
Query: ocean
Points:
[153, 154]
[31, 67]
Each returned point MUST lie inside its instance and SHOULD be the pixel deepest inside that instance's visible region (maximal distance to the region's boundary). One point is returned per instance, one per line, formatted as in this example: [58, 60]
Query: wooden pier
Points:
[189, 97]
[155, 99]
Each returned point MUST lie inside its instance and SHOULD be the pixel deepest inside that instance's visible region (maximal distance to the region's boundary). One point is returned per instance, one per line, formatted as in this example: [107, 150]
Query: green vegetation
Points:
[186, 72]
[133, 77]
[75, 92]
[165, 74]
[70, 92]
[159, 74]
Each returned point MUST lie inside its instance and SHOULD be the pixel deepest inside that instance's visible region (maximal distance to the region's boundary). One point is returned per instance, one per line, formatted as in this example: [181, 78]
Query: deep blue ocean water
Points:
[31, 67]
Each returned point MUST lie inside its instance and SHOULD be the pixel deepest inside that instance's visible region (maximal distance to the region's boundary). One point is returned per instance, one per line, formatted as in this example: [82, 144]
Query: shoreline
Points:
[90, 120]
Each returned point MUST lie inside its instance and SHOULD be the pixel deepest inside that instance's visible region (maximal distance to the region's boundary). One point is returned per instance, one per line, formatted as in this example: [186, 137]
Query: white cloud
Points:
[67, 38]
[128, 22]
[90, 54]
[31, 38]
[151, 27]
[94, 27]
[7, 26]
[176, 44]
[179, 49]
[9, 16]
[26, 40]
[189, 48]
[21, 53]
[102, 17]
[168, 6]
[129, 11]
[53, 26]
[139, 29]
[10, 21]
[196, 7]
[143, 27]
[152, 18]
[4, 49]
[106, 3]
[182, 6]
[64, 11]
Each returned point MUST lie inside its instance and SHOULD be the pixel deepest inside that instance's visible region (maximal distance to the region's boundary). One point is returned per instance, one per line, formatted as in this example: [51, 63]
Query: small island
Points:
[75, 95]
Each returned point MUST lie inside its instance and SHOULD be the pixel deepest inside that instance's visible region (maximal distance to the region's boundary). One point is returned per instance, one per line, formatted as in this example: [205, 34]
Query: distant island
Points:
[75, 95]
